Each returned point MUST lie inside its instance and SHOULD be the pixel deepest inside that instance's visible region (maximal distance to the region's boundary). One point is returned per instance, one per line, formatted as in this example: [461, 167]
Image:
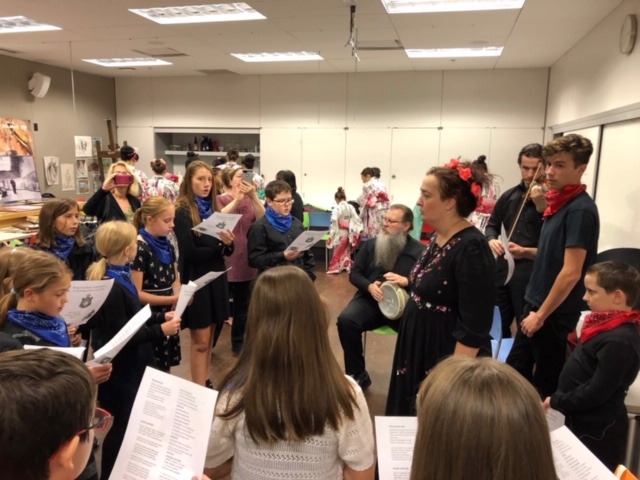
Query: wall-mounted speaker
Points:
[39, 85]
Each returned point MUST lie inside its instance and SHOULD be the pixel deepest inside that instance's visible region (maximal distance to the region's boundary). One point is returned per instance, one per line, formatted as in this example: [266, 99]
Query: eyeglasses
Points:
[284, 201]
[391, 222]
[100, 422]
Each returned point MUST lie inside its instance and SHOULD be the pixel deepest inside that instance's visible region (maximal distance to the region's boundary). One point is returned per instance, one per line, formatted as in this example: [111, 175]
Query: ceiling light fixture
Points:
[433, 6]
[223, 12]
[278, 57]
[127, 62]
[23, 24]
[454, 52]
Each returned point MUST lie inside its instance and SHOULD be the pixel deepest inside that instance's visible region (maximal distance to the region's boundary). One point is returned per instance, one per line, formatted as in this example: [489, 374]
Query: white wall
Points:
[328, 127]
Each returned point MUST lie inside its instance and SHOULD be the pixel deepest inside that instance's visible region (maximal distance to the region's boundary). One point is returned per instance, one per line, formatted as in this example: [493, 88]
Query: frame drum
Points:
[394, 299]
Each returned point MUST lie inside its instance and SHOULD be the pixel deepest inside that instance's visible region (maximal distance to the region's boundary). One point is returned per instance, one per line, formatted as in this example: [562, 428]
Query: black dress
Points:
[157, 279]
[452, 300]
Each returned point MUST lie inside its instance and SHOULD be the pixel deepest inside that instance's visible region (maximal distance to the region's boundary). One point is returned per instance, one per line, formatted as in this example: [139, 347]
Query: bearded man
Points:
[393, 250]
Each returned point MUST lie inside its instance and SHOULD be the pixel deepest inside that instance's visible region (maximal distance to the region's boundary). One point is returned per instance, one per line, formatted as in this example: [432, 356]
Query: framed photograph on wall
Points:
[83, 146]
[68, 177]
[82, 186]
[82, 169]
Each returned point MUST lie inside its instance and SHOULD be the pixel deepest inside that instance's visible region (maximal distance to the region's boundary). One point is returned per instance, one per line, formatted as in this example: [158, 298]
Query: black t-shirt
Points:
[576, 224]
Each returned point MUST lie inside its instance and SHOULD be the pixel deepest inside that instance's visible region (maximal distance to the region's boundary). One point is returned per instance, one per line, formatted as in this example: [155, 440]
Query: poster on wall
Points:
[83, 146]
[82, 186]
[18, 178]
[82, 169]
[94, 145]
[68, 177]
[52, 170]
[96, 182]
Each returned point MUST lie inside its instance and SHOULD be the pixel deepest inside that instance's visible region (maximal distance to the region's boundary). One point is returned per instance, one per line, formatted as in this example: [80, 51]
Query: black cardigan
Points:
[104, 206]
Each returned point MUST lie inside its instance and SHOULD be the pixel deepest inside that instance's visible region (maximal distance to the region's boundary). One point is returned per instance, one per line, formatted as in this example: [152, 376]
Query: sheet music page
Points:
[208, 278]
[168, 431]
[120, 339]
[306, 240]
[85, 299]
[186, 294]
[555, 419]
[573, 460]
[507, 254]
[217, 223]
[395, 438]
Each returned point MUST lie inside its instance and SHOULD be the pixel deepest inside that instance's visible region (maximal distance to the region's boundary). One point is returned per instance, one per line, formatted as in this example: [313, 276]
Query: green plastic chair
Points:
[305, 220]
[383, 330]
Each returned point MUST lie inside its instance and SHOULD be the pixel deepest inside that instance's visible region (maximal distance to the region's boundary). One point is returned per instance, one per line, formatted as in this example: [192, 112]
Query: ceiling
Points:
[535, 36]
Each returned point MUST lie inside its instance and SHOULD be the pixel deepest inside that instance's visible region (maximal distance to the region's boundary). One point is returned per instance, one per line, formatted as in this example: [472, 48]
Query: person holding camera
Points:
[118, 197]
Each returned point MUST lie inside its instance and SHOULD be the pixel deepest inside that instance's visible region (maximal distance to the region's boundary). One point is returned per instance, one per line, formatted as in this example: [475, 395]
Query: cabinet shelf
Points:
[209, 154]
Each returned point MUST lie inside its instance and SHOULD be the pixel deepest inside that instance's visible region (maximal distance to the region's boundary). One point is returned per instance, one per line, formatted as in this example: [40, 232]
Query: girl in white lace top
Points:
[286, 410]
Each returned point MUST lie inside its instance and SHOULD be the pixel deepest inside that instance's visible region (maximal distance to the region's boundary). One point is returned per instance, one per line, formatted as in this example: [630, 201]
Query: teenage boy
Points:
[567, 247]
[595, 379]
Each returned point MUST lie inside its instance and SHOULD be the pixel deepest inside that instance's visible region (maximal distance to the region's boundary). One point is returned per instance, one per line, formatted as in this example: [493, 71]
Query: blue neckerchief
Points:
[122, 275]
[282, 223]
[63, 246]
[204, 207]
[160, 246]
[51, 329]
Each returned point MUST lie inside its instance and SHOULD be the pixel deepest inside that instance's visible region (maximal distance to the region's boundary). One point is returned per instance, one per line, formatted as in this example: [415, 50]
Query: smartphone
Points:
[123, 179]
[247, 176]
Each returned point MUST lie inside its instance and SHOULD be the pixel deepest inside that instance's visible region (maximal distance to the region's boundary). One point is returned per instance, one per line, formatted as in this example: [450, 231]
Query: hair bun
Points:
[482, 159]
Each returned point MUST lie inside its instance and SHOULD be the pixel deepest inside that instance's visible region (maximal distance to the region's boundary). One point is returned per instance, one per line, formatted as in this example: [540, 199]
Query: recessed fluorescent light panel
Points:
[127, 62]
[278, 57]
[23, 24]
[454, 52]
[222, 12]
[432, 6]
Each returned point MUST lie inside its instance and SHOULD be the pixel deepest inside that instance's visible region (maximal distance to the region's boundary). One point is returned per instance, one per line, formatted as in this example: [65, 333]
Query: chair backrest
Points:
[319, 220]
[305, 220]
[496, 326]
[630, 256]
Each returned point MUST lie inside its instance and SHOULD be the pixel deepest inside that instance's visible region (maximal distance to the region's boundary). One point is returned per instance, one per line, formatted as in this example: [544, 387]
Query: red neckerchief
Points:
[556, 199]
[598, 322]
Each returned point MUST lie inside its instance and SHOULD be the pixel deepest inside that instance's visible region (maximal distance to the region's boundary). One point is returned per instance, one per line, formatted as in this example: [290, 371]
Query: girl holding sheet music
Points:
[155, 273]
[201, 254]
[116, 242]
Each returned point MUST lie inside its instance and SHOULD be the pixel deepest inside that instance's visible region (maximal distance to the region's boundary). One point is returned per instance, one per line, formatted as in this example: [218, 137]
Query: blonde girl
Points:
[116, 243]
[10, 257]
[286, 406]
[154, 270]
[201, 254]
[117, 199]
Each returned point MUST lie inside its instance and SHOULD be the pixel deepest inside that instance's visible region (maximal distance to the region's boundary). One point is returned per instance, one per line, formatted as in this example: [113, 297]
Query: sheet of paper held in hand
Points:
[573, 460]
[306, 240]
[187, 291]
[168, 431]
[120, 339]
[395, 437]
[85, 299]
[77, 352]
[507, 254]
[217, 223]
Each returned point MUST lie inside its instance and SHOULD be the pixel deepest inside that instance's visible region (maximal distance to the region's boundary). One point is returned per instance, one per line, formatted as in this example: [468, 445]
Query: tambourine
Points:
[394, 299]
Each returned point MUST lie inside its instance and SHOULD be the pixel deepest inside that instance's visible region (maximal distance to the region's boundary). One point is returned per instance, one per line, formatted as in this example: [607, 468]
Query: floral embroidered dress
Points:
[452, 300]
[345, 231]
[160, 186]
[480, 216]
[374, 203]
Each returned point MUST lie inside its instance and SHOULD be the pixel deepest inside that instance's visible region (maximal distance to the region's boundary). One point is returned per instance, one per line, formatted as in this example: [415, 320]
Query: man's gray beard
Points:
[388, 249]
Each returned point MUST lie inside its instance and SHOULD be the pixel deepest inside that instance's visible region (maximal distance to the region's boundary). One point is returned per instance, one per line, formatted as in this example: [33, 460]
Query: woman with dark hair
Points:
[159, 185]
[297, 207]
[285, 409]
[451, 302]
[374, 201]
[489, 194]
[344, 234]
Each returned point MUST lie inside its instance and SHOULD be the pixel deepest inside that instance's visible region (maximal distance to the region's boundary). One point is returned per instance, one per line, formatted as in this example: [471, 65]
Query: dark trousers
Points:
[546, 350]
[240, 291]
[510, 297]
[362, 314]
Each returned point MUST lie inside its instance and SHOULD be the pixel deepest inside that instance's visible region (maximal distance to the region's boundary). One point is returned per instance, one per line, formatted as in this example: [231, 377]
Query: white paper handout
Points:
[555, 419]
[573, 460]
[217, 223]
[120, 339]
[77, 352]
[85, 299]
[168, 431]
[507, 254]
[306, 240]
[395, 438]
[187, 291]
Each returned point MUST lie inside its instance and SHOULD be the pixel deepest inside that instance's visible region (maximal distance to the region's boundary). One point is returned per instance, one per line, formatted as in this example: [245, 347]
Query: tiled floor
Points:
[336, 291]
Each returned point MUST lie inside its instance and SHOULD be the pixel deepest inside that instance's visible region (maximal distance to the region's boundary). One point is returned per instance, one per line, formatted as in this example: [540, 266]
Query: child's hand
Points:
[76, 340]
[546, 404]
[172, 326]
[101, 373]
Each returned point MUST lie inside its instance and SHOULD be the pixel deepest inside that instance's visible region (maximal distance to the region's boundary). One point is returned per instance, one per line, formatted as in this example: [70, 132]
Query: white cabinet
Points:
[323, 164]
[281, 149]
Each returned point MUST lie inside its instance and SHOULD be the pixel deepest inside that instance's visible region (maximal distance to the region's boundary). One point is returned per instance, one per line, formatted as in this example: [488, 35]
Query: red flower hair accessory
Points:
[466, 175]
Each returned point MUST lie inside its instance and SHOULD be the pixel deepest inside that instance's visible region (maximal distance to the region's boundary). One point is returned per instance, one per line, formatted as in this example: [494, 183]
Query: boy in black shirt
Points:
[595, 380]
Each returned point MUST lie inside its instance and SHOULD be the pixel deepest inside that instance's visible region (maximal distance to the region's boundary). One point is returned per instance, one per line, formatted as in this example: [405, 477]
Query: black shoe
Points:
[363, 379]
[208, 384]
